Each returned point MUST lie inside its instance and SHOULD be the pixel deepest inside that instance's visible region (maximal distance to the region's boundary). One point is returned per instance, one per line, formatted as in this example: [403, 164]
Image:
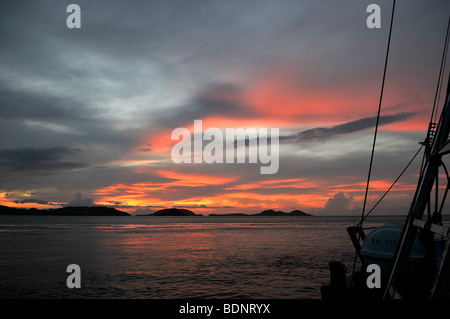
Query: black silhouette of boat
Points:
[412, 258]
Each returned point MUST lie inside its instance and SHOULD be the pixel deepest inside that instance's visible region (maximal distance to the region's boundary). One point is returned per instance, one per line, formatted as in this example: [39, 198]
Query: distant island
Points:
[172, 212]
[187, 212]
[109, 211]
[64, 211]
[268, 212]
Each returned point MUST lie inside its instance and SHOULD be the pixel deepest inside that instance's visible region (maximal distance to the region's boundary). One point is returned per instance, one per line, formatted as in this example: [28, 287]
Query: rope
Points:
[375, 135]
[379, 201]
[441, 74]
[378, 115]
[384, 195]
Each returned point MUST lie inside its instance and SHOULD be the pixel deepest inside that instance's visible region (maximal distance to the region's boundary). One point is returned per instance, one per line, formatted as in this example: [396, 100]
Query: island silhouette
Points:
[172, 212]
[64, 211]
[187, 212]
[268, 212]
[110, 211]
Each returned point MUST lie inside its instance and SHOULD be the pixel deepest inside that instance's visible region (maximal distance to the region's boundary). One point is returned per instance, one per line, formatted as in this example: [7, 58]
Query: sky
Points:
[86, 114]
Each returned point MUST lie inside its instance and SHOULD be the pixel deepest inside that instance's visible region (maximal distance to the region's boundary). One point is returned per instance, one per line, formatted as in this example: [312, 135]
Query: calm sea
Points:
[173, 257]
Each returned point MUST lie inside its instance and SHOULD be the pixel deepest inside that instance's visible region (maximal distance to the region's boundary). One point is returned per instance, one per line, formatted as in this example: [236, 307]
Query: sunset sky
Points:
[86, 114]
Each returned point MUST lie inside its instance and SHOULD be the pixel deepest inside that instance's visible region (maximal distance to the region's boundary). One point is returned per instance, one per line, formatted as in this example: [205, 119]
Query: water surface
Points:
[172, 257]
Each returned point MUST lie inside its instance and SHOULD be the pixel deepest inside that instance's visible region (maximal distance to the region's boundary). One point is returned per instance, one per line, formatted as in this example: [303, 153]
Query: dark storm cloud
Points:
[219, 99]
[32, 159]
[32, 201]
[27, 105]
[320, 133]
[49, 120]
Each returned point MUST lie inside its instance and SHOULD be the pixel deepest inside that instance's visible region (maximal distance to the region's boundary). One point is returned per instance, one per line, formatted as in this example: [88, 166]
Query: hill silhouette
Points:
[64, 211]
[172, 212]
[268, 212]
[109, 211]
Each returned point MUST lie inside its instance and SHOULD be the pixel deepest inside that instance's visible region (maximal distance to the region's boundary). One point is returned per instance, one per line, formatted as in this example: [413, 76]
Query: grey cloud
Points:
[338, 204]
[320, 133]
[33, 159]
[219, 99]
[79, 201]
[148, 148]
[49, 119]
[18, 104]
[33, 201]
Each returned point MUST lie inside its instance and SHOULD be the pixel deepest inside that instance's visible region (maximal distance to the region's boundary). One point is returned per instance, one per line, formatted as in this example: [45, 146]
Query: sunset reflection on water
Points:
[161, 257]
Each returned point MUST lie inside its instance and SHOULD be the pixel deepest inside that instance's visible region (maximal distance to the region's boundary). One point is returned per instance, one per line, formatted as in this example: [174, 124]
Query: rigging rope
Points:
[378, 115]
[396, 180]
[375, 135]
[441, 75]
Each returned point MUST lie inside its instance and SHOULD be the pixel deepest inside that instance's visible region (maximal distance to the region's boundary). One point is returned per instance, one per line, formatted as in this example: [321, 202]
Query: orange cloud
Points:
[281, 183]
[275, 95]
[181, 179]
[11, 200]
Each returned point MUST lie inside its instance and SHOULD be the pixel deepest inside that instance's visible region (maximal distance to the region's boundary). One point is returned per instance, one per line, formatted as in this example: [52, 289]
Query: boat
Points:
[411, 258]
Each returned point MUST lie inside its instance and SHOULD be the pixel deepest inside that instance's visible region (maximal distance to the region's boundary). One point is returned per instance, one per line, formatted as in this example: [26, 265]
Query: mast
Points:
[439, 145]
